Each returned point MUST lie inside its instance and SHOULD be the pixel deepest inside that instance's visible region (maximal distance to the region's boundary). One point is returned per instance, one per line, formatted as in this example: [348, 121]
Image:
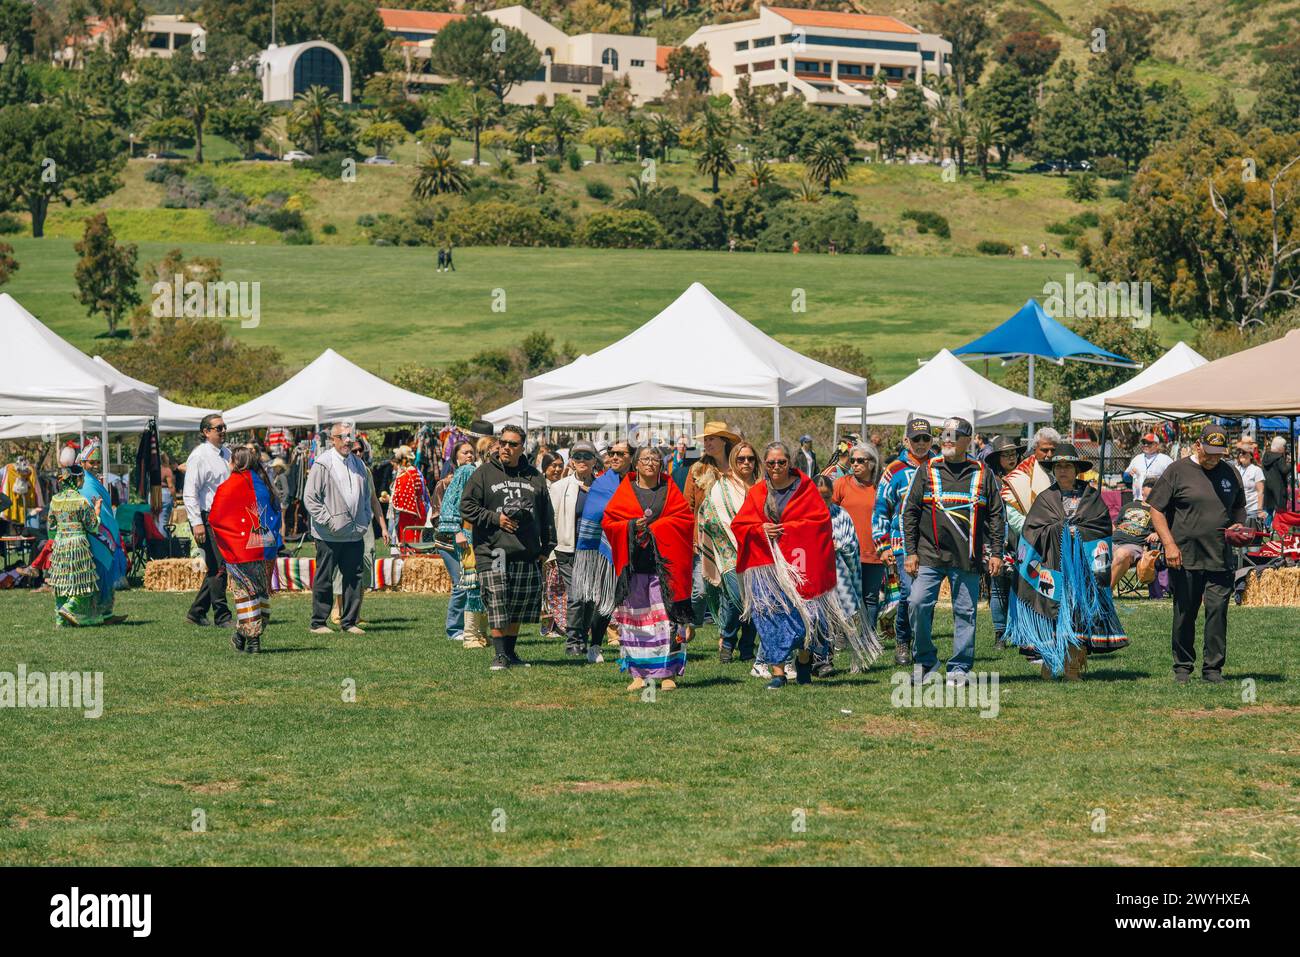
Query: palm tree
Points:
[640, 191]
[808, 192]
[715, 160]
[564, 122]
[954, 132]
[439, 174]
[826, 162]
[716, 122]
[666, 134]
[640, 131]
[317, 106]
[197, 100]
[986, 136]
[760, 173]
[477, 113]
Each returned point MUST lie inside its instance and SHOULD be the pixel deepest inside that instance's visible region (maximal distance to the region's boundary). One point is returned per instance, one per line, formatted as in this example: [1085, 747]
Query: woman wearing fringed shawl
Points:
[722, 493]
[410, 494]
[1062, 605]
[848, 580]
[466, 614]
[106, 542]
[786, 558]
[72, 573]
[245, 519]
[651, 529]
[591, 584]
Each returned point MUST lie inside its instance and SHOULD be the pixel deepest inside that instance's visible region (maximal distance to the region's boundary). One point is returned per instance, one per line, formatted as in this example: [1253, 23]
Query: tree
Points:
[907, 119]
[984, 136]
[317, 107]
[243, 121]
[962, 23]
[689, 67]
[1278, 106]
[954, 132]
[197, 101]
[106, 274]
[1007, 102]
[477, 111]
[49, 154]
[8, 265]
[1126, 39]
[379, 135]
[1028, 52]
[826, 162]
[439, 174]
[1062, 129]
[594, 16]
[601, 138]
[1082, 188]
[715, 161]
[564, 121]
[485, 54]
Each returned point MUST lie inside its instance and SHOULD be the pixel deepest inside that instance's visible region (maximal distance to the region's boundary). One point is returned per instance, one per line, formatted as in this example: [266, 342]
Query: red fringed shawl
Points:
[806, 541]
[410, 494]
[673, 531]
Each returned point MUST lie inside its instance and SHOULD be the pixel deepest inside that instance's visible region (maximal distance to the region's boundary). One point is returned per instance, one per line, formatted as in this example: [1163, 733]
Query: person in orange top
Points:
[856, 494]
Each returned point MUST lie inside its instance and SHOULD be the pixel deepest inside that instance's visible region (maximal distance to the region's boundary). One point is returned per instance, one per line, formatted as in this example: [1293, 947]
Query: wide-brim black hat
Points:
[1067, 454]
[1003, 443]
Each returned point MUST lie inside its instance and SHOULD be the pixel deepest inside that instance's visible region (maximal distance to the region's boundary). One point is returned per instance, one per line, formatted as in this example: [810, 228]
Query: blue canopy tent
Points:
[1031, 334]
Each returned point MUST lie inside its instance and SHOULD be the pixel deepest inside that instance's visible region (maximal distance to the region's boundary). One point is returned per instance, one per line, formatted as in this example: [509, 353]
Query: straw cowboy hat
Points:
[1067, 454]
[403, 453]
[719, 429]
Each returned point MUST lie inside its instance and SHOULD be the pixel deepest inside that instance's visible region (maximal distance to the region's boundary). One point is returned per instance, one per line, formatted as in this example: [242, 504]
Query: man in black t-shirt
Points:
[1195, 500]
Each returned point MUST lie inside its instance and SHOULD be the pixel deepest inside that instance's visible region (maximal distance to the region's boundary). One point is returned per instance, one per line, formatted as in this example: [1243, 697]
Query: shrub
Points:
[281, 220]
[329, 165]
[366, 220]
[688, 223]
[622, 229]
[1058, 229]
[1120, 190]
[928, 222]
[598, 190]
[553, 164]
[1082, 187]
[574, 160]
[10, 224]
[499, 223]
[1085, 220]
[1110, 167]
[993, 247]
[329, 229]
[297, 237]
[159, 173]
[816, 225]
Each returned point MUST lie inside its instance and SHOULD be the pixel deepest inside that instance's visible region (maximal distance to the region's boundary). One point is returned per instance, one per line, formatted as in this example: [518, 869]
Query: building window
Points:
[860, 44]
[764, 65]
[764, 42]
[742, 45]
[158, 41]
[637, 62]
[742, 68]
[851, 69]
[788, 38]
[893, 72]
[811, 66]
[318, 66]
[610, 58]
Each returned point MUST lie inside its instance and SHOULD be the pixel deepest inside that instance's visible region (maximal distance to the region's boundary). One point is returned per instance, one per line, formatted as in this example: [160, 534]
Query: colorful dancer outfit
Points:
[245, 519]
[789, 586]
[593, 562]
[1062, 597]
[717, 543]
[106, 544]
[72, 573]
[19, 483]
[653, 573]
[410, 500]
[848, 580]
[887, 530]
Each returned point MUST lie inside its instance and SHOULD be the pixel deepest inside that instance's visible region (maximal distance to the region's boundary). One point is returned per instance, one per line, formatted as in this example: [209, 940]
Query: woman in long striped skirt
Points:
[245, 521]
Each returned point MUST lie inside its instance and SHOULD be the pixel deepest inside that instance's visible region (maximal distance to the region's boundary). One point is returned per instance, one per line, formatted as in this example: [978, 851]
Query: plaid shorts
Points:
[511, 595]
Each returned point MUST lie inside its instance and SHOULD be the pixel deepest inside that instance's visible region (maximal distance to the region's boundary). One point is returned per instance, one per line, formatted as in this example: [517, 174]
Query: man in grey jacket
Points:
[337, 498]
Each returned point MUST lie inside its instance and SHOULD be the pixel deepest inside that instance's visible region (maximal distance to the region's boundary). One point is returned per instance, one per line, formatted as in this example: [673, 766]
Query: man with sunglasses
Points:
[887, 524]
[1149, 463]
[507, 504]
[205, 469]
[952, 517]
[339, 497]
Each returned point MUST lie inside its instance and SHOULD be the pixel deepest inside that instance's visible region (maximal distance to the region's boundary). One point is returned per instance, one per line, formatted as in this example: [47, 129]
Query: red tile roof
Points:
[843, 21]
[416, 19]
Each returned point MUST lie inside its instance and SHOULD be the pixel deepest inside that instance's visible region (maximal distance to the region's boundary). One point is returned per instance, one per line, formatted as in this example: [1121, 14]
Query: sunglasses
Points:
[746, 458]
[618, 452]
[583, 457]
[508, 444]
[217, 428]
[859, 461]
[776, 463]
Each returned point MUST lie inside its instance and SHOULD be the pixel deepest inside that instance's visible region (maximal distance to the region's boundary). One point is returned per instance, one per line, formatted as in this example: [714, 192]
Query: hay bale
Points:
[1274, 586]
[172, 574]
[424, 575]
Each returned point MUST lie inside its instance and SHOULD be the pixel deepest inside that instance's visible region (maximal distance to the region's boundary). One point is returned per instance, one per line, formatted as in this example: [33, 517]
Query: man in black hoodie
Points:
[506, 503]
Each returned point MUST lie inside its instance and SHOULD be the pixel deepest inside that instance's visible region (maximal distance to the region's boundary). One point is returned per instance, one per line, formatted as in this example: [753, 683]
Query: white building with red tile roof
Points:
[831, 58]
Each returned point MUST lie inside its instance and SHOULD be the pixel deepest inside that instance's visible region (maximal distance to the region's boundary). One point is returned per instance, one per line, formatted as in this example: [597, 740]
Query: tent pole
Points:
[103, 452]
[776, 423]
[1031, 377]
[1290, 472]
[1101, 453]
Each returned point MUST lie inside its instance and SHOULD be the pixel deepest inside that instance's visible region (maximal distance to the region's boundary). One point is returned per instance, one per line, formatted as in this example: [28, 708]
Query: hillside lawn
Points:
[384, 306]
[436, 748]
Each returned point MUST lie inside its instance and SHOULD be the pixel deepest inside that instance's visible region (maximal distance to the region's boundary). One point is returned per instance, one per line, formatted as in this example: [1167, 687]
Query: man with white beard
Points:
[952, 519]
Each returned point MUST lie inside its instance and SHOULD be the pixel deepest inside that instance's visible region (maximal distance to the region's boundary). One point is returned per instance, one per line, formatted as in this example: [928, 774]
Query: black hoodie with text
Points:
[520, 492]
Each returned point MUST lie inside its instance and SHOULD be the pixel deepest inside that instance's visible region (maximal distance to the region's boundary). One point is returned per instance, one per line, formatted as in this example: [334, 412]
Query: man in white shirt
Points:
[206, 468]
[1149, 463]
[339, 497]
[1252, 478]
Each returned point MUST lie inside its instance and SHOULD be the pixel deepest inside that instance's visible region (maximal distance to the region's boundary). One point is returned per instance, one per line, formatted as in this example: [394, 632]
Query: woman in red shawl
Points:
[651, 529]
[786, 559]
[410, 496]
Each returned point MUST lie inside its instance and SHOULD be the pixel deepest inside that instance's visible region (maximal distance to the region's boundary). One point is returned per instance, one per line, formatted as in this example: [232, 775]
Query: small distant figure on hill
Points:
[451, 266]
[442, 258]
[1042, 248]
[794, 247]
[1024, 250]
[731, 244]
[832, 247]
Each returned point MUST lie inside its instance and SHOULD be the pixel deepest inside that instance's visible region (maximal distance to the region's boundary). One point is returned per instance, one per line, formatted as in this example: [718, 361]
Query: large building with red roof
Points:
[831, 58]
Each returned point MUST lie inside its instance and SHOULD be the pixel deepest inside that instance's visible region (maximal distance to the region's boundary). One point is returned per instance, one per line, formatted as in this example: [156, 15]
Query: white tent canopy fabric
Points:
[47, 377]
[333, 389]
[943, 387]
[1181, 358]
[675, 419]
[697, 353]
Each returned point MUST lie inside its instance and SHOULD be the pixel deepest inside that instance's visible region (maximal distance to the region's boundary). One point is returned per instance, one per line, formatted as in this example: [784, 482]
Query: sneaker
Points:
[354, 630]
[236, 641]
[1182, 677]
[957, 679]
[200, 622]
[760, 670]
[725, 653]
[322, 630]
[573, 651]
[823, 669]
[460, 637]
[1033, 660]
[902, 653]
[499, 663]
[802, 672]
[516, 661]
[777, 683]
[920, 677]
[594, 657]
[999, 643]
[1213, 677]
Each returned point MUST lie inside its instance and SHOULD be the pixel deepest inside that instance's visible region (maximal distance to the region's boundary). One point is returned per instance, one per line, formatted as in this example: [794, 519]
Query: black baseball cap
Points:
[916, 428]
[1214, 439]
[959, 425]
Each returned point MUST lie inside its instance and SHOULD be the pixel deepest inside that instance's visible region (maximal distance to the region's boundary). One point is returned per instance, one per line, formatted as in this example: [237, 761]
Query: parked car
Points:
[293, 155]
[378, 160]
[260, 157]
[165, 155]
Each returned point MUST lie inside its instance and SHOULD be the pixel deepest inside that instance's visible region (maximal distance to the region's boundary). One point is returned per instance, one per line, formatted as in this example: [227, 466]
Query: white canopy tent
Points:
[592, 419]
[332, 389]
[1181, 358]
[697, 353]
[943, 387]
[46, 378]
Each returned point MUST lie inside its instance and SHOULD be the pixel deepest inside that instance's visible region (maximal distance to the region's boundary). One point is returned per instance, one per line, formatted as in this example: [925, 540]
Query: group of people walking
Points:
[791, 565]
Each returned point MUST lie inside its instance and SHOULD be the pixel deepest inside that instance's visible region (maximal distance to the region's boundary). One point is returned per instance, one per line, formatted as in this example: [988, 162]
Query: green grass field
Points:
[382, 307]
[415, 770]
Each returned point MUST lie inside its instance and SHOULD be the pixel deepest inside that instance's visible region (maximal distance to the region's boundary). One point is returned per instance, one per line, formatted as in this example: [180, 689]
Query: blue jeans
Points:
[873, 576]
[725, 608]
[965, 595]
[903, 620]
[998, 597]
[699, 599]
[456, 603]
